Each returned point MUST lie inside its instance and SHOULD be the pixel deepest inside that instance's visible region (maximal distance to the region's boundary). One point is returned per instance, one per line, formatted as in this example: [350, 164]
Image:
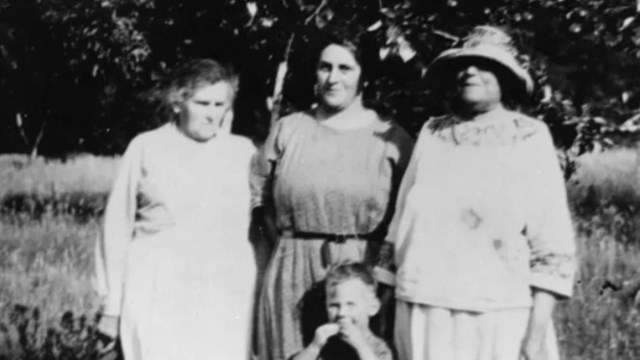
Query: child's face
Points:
[351, 300]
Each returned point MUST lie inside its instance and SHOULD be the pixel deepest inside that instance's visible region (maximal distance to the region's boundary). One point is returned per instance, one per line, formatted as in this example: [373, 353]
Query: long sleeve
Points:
[118, 230]
[261, 168]
[385, 265]
[549, 230]
[259, 179]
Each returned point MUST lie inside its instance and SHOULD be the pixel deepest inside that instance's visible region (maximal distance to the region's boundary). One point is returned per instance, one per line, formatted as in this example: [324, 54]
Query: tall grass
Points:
[45, 285]
[49, 219]
[607, 177]
[50, 216]
[37, 187]
[81, 174]
[597, 323]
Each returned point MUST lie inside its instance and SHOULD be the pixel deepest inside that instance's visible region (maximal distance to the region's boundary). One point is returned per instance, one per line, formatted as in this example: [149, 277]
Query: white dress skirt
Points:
[425, 332]
[182, 303]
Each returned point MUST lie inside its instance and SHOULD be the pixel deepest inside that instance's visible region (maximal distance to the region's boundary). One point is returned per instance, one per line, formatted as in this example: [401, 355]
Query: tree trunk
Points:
[36, 143]
[283, 67]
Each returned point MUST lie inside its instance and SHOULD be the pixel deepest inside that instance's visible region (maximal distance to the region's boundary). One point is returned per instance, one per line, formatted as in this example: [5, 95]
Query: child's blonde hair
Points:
[341, 272]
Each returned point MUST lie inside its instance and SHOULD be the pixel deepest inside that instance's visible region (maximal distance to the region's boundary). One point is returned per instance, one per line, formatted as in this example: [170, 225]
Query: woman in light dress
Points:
[174, 265]
[330, 175]
[482, 232]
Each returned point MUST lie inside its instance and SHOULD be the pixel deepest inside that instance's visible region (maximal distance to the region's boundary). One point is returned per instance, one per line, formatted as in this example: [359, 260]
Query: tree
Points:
[582, 53]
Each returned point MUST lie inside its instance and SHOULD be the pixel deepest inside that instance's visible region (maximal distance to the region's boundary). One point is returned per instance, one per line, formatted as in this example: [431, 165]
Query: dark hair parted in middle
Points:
[359, 42]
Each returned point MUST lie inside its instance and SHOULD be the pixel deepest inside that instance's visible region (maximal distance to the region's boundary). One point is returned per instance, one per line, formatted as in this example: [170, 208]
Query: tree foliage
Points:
[78, 66]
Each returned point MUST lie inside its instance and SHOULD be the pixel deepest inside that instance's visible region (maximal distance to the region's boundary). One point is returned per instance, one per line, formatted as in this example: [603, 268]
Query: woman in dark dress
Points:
[330, 175]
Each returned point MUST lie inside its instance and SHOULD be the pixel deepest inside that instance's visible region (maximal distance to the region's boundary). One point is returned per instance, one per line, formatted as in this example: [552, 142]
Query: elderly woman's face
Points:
[477, 85]
[338, 77]
[202, 114]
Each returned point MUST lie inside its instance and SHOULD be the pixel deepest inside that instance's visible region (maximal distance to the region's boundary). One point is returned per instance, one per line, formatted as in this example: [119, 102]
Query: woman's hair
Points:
[187, 78]
[342, 272]
[354, 38]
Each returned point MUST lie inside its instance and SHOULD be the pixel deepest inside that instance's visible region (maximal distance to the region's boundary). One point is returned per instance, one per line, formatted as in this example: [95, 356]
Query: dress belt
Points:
[337, 238]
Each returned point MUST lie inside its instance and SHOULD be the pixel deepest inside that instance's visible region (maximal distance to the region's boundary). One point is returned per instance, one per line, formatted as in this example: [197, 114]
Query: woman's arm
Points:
[549, 229]
[263, 166]
[534, 344]
[385, 266]
[551, 240]
[113, 244]
[262, 209]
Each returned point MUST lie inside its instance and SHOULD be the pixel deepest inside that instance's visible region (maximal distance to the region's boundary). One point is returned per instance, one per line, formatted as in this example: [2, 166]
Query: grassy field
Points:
[50, 215]
[49, 220]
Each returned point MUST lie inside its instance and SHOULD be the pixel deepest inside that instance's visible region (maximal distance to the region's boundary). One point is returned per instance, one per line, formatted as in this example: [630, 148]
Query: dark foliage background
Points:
[78, 76]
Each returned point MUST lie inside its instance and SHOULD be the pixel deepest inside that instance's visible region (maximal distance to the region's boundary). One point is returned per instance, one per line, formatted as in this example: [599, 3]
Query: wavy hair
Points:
[184, 80]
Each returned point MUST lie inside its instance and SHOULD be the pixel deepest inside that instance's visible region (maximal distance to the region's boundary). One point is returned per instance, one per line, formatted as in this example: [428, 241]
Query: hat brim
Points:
[440, 65]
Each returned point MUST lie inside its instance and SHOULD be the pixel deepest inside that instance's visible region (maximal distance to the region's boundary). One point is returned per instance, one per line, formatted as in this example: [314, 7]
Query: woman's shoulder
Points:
[438, 123]
[152, 137]
[296, 120]
[392, 128]
[239, 143]
[292, 127]
[528, 126]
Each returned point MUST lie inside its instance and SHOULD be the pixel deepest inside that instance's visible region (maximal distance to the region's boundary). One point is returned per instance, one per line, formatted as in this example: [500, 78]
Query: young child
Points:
[351, 301]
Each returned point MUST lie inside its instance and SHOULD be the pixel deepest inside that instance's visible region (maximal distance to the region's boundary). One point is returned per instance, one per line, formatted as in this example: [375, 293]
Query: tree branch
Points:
[279, 83]
[446, 35]
[23, 135]
[36, 143]
[317, 11]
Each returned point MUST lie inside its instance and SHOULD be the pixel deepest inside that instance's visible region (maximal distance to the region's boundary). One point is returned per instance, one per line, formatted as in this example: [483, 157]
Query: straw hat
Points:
[484, 42]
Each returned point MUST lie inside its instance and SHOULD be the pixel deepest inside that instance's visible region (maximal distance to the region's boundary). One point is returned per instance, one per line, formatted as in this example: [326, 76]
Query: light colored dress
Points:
[326, 182]
[174, 260]
[482, 217]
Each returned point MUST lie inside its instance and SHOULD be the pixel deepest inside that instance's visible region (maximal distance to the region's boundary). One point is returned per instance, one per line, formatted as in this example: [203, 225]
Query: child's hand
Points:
[323, 333]
[351, 334]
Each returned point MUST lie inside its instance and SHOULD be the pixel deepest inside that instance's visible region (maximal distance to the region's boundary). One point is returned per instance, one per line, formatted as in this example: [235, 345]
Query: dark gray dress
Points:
[326, 181]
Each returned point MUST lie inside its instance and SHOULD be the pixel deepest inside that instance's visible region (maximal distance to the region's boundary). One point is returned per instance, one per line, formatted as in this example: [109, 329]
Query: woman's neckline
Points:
[188, 139]
[366, 119]
[493, 116]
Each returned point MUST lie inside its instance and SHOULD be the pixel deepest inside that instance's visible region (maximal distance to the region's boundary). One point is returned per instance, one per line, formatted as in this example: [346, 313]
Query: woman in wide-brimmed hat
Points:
[482, 233]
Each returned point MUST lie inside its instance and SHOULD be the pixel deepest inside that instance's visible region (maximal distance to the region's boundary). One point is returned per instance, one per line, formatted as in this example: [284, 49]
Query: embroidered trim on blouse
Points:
[557, 265]
[493, 133]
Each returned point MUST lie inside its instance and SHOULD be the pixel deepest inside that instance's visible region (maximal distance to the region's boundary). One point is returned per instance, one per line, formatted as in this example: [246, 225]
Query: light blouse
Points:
[482, 216]
[170, 184]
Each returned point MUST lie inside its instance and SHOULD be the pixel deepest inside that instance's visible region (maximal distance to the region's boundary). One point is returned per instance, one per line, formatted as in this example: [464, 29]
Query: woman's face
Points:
[338, 77]
[477, 86]
[201, 115]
